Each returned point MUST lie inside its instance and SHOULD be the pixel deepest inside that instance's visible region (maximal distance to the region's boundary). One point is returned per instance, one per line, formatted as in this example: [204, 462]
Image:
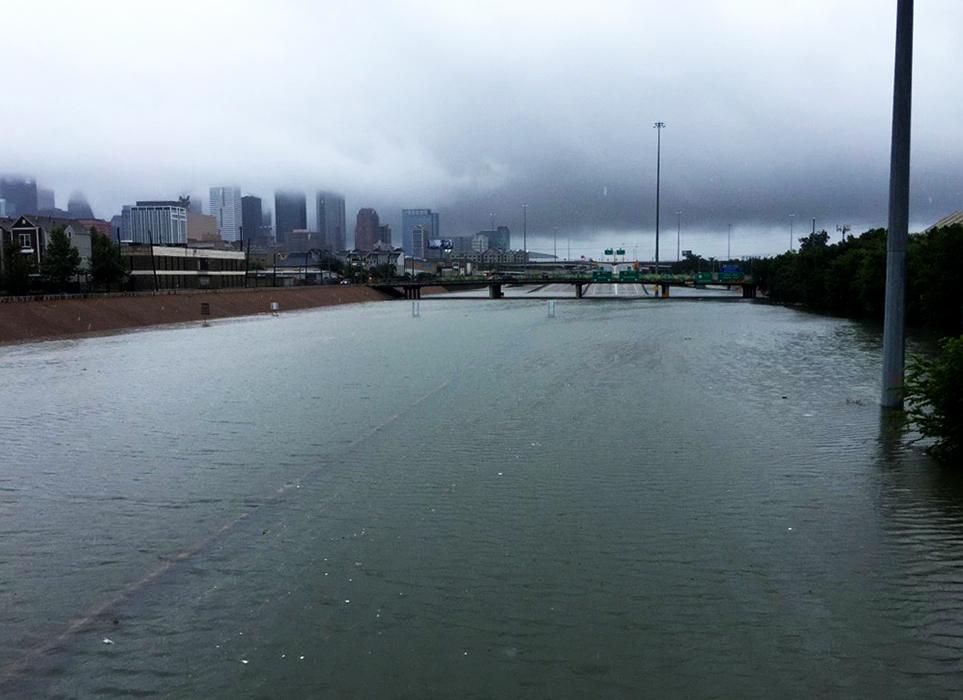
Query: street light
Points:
[525, 227]
[791, 217]
[678, 237]
[729, 244]
[659, 126]
[894, 320]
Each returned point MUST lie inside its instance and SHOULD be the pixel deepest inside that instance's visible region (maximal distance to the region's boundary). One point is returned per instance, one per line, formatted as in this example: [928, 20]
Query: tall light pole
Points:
[791, 217]
[658, 126]
[894, 339]
[555, 242]
[729, 244]
[678, 237]
[525, 227]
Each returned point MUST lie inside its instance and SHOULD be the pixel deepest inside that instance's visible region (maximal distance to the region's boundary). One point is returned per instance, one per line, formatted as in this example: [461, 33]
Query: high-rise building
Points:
[46, 199]
[159, 223]
[20, 194]
[78, 208]
[226, 208]
[499, 239]
[425, 218]
[3, 208]
[332, 224]
[367, 231]
[384, 235]
[251, 217]
[290, 213]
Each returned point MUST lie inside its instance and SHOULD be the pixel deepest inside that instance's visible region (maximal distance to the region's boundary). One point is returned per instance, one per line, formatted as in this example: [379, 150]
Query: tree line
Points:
[848, 278]
[60, 265]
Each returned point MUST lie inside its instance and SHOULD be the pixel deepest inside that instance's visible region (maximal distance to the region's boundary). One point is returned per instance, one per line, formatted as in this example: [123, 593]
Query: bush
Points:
[934, 394]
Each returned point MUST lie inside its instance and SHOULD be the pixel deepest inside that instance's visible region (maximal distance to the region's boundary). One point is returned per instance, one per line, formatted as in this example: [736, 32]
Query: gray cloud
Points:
[477, 107]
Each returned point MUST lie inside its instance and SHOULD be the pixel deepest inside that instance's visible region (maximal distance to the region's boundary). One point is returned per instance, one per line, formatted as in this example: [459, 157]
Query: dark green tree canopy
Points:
[17, 269]
[107, 267]
[61, 261]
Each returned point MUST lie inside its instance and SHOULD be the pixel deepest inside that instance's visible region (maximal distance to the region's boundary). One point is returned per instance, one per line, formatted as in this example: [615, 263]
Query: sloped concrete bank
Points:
[27, 321]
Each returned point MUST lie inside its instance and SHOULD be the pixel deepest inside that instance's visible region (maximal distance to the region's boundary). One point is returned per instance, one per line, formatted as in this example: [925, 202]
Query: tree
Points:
[61, 260]
[935, 403]
[106, 266]
[17, 269]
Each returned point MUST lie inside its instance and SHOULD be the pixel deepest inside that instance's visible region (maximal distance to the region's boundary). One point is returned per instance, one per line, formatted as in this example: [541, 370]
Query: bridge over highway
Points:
[661, 284]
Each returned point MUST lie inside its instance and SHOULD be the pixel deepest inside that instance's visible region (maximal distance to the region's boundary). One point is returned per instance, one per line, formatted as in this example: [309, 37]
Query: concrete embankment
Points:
[26, 321]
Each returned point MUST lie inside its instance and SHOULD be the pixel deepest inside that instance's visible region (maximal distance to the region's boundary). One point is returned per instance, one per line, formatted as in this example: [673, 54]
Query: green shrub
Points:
[934, 395]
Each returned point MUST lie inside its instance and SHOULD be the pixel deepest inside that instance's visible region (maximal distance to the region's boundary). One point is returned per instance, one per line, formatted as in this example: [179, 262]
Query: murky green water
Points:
[632, 498]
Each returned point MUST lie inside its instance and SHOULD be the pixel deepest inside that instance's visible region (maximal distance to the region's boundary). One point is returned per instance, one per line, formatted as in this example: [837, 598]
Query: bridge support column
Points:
[579, 290]
[748, 291]
[495, 291]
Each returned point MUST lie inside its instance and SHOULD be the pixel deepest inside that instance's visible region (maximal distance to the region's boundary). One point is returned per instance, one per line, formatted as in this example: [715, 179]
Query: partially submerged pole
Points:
[899, 177]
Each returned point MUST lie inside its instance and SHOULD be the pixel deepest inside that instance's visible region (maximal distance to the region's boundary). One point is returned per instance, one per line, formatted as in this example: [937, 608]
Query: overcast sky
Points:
[773, 108]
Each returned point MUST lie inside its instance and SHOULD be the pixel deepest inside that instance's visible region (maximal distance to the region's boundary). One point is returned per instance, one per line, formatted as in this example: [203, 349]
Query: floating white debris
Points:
[108, 641]
[789, 529]
[243, 661]
[283, 655]
[346, 600]
[499, 473]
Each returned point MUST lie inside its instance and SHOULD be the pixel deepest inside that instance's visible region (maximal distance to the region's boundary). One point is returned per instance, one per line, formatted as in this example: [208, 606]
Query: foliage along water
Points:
[688, 498]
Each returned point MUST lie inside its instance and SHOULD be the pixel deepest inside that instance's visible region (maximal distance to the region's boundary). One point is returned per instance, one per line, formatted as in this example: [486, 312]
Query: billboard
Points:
[440, 244]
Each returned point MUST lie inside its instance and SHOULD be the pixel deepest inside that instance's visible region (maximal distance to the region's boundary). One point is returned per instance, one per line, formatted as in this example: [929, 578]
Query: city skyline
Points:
[764, 119]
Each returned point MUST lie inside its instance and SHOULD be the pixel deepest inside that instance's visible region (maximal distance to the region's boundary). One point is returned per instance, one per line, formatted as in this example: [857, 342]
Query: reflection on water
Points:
[687, 498]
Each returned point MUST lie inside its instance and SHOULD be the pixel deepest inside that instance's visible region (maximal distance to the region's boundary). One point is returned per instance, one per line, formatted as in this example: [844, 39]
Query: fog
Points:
[476, 108]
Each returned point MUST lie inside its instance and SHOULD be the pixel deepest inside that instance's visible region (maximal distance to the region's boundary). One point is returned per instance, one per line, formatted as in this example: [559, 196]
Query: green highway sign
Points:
[620, 251]
[609, 251]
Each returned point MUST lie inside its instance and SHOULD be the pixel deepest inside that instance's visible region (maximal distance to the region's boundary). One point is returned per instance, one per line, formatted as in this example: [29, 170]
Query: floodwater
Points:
[631, 498]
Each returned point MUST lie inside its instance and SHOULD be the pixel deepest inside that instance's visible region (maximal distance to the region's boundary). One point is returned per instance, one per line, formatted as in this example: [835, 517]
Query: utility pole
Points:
[894, 339]
[659, 126]
[729, 244]
[791, 243]
[525, 227]
[678, 237]
[153, 262]
[555, 242]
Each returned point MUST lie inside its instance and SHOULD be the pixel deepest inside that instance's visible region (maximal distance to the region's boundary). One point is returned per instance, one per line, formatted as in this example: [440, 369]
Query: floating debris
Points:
[108, 641]
[243, 661]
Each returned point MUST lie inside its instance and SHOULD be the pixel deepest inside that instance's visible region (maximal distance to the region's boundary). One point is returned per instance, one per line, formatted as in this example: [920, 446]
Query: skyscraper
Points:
[226, 208]
[290, 213]
[78, 208]
[251, 216]
[332, 224]
[500, 238]
[157, 223]
[366, 232]
[410, 218]
[20, 194]
[46, 199]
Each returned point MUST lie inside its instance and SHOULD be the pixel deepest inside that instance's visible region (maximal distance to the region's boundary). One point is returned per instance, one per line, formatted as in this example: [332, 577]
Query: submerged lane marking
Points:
[14, 668]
